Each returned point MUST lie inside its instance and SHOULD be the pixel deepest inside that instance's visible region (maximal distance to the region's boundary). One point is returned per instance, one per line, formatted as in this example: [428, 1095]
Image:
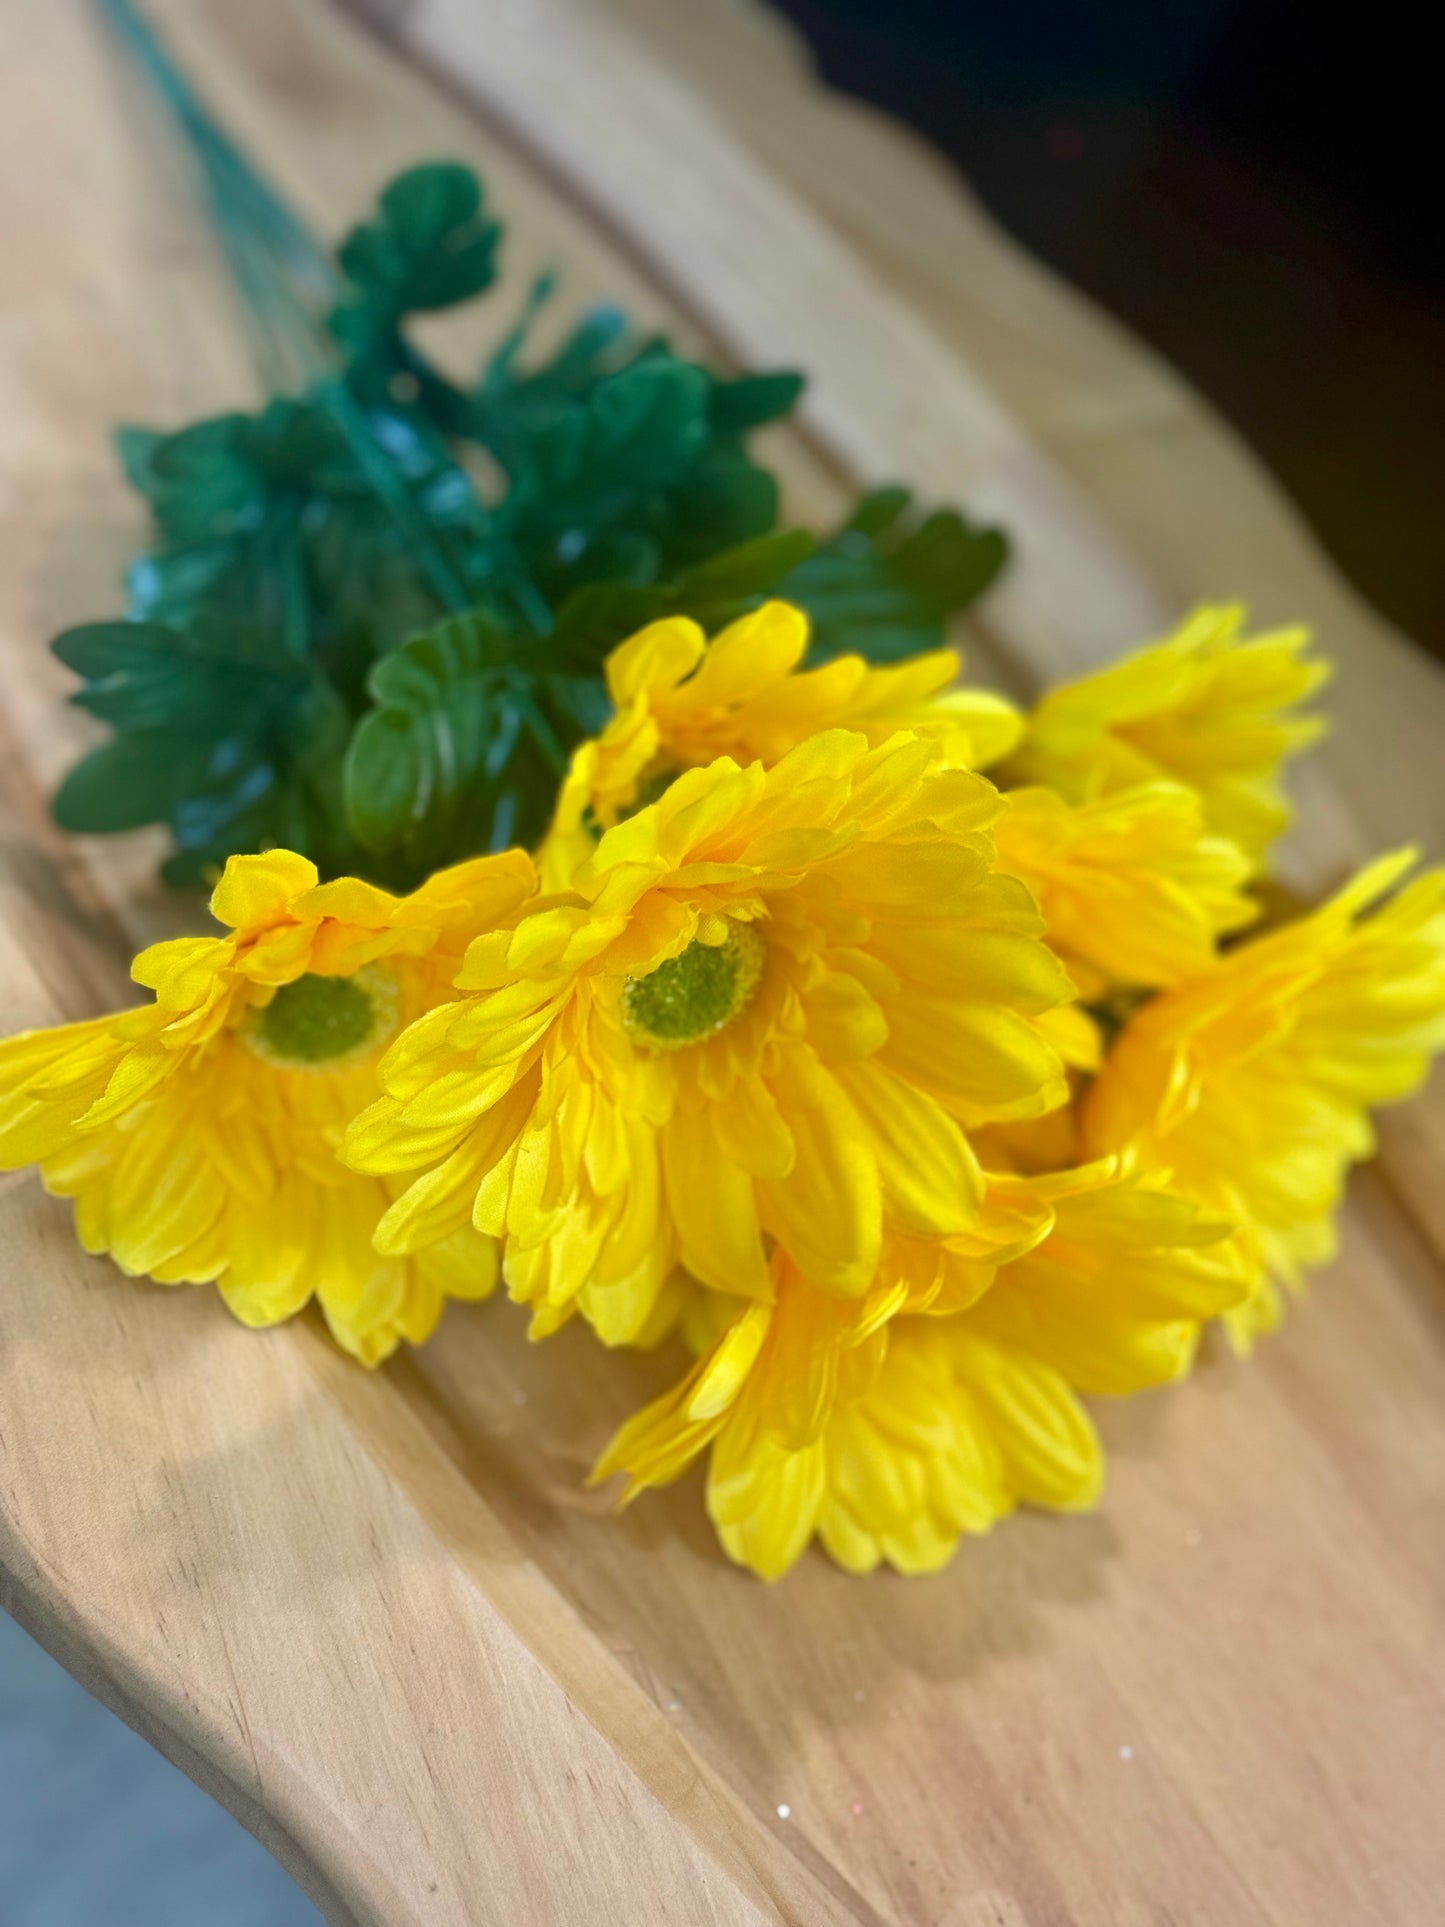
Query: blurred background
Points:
[97, 1830]
[1252, 186]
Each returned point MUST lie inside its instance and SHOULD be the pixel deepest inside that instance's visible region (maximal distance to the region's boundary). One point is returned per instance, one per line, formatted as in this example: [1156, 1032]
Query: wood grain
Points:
[378, 1615]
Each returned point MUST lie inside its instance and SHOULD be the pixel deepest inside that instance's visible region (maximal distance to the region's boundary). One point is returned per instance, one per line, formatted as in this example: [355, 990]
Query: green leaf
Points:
[421, 772]
[753, 400]
[135, 447]
[637, 481]
[594, 620]
[636, 433]
[122, 785]
[725, 501]
[747, 573]
[509, 408]
[137, 671]
[432, 245]
[219, 734]
[886, 584]
[214, 479]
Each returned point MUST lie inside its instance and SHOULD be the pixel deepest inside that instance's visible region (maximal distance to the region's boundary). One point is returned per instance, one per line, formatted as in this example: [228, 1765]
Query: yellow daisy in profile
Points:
[1132, 889]
[892, 1424]
[198, 1133]
[768, 1010]
[1251, 1084]
[1207, 707]
[682, 701]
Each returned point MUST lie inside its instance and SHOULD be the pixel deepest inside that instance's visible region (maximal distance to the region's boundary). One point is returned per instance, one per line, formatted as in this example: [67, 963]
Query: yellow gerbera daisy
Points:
[890, 1425]
[1250, 1084]
[198, 1134]
[1132, 889]
[682, 701]
[1205, 707]
[769, 1007]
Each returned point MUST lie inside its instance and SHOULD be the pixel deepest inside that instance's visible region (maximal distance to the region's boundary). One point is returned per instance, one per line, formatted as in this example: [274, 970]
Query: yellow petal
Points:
[828, 1211]
[1051, 1452]
[932, 1185]
[256, 890]
[713, 1210]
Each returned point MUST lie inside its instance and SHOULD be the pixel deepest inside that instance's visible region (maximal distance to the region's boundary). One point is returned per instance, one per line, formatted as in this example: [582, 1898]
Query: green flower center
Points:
[324, 1023]
[693, 996]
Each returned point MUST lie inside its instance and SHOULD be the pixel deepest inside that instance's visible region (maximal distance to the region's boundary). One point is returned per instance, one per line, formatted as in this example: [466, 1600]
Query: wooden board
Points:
[378, 1615]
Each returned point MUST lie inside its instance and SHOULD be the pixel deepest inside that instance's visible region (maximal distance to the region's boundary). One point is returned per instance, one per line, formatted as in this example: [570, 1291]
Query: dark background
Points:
[1254, 186]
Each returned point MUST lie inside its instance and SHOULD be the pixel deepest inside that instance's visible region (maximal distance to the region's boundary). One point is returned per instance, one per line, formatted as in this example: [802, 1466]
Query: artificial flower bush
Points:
[915, 1064]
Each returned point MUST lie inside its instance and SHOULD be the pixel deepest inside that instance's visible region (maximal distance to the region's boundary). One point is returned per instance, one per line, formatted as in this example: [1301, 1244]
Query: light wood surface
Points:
[378, 1615]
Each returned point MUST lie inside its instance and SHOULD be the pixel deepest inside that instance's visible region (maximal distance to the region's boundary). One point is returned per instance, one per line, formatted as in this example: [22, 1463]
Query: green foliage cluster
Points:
[373, 619]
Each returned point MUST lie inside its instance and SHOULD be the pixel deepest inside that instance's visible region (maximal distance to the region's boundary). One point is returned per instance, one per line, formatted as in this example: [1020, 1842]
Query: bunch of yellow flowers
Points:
[914, 1100]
